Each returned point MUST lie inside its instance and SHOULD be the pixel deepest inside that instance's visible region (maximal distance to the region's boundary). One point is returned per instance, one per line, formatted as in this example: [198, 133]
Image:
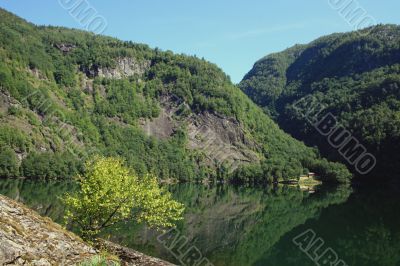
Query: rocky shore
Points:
[26, 238]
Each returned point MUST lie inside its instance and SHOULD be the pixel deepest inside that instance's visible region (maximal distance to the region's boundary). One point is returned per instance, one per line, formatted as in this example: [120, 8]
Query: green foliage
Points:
[99, 260]
[77, 109]
[13, 138]
[13, 110]
[8, 163]
[110, 193]
[64, 74]
[331, 172]
[123, 100]
[48, 165]
[356, 77]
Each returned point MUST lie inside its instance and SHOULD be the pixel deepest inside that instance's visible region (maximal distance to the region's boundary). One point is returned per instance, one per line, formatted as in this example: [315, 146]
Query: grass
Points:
[100, 260]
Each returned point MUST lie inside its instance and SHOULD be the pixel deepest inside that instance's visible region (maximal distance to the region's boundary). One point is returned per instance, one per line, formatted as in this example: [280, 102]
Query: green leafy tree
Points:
[110, 193]
[8, 163]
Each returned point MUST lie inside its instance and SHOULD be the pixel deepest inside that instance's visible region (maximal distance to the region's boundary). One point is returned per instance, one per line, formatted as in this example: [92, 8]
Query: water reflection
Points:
[229, 225]
[363, 231]
[40, 196]
[237, 226]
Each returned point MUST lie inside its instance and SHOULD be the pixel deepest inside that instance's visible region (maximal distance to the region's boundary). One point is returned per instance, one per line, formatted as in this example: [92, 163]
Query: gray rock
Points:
[29, 239]
[125, 67]
[26, 238]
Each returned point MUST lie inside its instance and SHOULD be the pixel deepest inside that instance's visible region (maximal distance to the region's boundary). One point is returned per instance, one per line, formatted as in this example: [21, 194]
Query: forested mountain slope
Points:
[354, 76]
[67, 95]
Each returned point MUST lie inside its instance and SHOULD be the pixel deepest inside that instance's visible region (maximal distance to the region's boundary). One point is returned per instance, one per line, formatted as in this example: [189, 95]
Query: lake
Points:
[257, 225]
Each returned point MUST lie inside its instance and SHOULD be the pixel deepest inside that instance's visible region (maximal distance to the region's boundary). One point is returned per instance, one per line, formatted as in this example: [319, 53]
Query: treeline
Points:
[52, 91]
[354, 76]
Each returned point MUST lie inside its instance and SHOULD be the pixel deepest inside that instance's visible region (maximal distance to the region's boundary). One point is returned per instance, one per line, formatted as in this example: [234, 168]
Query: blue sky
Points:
[233, 34]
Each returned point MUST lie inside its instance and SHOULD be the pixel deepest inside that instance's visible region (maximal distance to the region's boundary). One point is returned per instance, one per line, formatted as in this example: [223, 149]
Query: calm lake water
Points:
[256, 226]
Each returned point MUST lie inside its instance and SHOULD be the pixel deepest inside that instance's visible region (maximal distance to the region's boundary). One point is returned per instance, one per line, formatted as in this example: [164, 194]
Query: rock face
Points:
[221, 139]
[160, 127]
[29, 239]
[26, 238]
[125, 67]
[65, 47]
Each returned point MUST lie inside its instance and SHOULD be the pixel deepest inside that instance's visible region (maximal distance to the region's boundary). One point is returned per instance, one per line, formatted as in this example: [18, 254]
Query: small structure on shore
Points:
[309, 182]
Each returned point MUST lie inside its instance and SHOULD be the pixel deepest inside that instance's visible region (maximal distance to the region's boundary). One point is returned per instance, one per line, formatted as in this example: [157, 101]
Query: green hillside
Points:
[67, 95]
[355, 76]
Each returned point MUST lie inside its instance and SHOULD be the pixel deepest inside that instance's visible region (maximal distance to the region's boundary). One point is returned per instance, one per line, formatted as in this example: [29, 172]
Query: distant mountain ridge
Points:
[355, 75]
[68, 94]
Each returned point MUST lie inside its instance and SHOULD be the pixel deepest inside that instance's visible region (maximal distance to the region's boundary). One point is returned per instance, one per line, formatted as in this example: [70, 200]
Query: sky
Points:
[233, 34]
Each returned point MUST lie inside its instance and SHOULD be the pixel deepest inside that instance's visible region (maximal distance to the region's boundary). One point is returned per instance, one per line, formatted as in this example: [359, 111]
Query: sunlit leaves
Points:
[110, 193]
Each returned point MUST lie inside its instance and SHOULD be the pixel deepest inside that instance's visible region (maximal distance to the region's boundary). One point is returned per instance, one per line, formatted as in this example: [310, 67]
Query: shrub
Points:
[8, 163]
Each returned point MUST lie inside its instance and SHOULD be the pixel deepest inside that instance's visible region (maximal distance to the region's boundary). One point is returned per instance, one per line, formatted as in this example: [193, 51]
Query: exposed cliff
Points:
[221, 139]
[125, 67]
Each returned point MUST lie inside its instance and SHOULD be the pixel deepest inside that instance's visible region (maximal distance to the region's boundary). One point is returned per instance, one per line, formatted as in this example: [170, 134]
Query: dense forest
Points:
[68, 94]
[354, 76]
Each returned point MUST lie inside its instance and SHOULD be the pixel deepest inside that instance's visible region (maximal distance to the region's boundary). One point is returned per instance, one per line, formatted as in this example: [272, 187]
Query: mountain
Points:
[351, 79]
[67, 95]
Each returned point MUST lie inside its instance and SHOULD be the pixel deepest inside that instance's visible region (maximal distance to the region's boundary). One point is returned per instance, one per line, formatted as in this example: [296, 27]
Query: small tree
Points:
[110, 193]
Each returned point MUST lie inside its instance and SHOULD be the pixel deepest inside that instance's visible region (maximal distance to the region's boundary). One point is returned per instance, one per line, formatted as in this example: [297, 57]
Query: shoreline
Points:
[28, 238]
